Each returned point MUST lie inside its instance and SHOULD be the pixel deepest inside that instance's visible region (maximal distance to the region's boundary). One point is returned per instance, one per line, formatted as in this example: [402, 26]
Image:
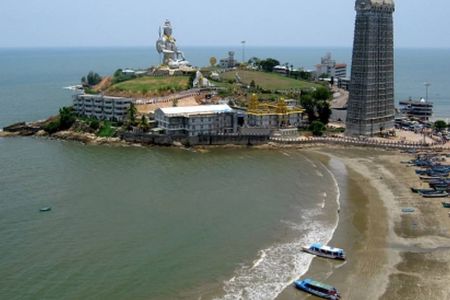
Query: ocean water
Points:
[157, 223]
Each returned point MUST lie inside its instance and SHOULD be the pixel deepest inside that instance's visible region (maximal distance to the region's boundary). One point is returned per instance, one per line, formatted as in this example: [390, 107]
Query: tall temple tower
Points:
[371, 102]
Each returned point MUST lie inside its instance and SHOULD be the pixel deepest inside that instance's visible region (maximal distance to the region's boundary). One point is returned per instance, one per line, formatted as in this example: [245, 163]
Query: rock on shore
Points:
[87, 138]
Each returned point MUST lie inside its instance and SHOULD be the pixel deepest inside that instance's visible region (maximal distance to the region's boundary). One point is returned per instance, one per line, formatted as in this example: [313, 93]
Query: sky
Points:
[283, 23]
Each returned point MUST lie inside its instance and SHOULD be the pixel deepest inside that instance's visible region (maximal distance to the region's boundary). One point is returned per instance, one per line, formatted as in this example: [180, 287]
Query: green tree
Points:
[131, 116]
[268, 64]
[144, 124]
[322, 93]
[94, 124]
[440, 125]
[317, 128]
[324, 111]
[52, 127]
[305, 75]
[255, 62]
[66, 118]
[317, 105]
[307, 102]
[93, 78]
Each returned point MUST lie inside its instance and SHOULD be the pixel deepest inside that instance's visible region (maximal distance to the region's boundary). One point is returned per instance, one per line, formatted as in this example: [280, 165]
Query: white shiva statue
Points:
[166, 45]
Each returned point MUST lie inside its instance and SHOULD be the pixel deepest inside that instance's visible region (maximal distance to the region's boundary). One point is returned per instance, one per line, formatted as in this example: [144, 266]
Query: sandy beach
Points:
[391, 255]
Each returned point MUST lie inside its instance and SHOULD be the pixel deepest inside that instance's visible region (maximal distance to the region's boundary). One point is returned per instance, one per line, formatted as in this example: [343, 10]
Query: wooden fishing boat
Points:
[318, 289]
[420, 190]
[437, 194]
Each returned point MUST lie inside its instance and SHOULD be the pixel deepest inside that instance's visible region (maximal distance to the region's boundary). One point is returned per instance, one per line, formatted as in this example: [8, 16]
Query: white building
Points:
[197, 120]
[229, 62]
[329, 67]
[102, 107]
[281, 69]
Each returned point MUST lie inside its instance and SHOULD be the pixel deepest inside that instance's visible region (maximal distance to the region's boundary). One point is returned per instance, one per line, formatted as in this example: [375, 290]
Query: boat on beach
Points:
[446, 204]
[437, 194]
[431, 178]
[325, 251]
[424, 191]
[318, 289]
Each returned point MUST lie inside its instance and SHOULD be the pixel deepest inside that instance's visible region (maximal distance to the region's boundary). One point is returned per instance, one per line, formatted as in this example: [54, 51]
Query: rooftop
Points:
[196, 110]
[382, 2]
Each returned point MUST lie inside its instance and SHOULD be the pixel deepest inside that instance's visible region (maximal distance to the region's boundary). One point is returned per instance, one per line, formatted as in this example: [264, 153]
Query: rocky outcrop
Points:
[87, 138]
[22, 129]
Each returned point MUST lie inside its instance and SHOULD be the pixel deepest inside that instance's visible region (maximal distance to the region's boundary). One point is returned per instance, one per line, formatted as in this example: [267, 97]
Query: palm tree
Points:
[144, 124]
[132, 111]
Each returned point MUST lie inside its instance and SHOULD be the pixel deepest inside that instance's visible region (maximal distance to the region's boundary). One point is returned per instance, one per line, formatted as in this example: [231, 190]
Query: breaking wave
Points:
[279, 265]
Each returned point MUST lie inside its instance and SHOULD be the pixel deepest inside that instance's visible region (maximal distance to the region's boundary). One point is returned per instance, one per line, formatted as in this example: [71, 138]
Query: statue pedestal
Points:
[166, 71]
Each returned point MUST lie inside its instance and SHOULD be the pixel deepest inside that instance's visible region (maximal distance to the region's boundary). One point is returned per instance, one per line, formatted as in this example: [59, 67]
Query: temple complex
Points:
[371, 103]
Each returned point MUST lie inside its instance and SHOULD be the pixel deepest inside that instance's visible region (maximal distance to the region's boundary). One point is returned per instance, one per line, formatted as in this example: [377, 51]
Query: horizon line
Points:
[205, 46]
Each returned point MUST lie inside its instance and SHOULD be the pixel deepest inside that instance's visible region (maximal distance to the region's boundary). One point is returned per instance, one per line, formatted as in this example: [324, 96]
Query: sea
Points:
[163, 223]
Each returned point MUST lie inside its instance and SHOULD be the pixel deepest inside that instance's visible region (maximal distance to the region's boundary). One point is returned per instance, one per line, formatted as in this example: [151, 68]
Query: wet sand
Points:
[391, 255]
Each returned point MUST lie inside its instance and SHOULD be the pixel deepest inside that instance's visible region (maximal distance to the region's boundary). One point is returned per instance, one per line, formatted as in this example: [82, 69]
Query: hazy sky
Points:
[74, 23]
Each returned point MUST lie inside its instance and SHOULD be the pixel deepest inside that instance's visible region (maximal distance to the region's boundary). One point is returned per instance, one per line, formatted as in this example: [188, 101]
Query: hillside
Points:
[268, 81]
[149, 86]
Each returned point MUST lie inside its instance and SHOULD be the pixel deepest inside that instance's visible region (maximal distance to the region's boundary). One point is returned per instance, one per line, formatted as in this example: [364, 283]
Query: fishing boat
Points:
[424, 191]
[318, 289]
[437, 194]
[433, 173]
[446, 204]
[325, 251]
[430, 178]
[45, 209]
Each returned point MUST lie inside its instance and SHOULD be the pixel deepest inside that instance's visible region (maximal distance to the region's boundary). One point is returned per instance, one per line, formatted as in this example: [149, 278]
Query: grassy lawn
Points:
[269, 81]
[153, 85]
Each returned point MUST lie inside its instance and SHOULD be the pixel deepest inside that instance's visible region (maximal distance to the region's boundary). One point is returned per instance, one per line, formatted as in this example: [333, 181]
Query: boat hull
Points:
[300, 284]
[433, 195]
[320, 254]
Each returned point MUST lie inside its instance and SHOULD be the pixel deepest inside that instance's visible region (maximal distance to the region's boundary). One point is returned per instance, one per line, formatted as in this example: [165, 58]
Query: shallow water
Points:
[131, 222]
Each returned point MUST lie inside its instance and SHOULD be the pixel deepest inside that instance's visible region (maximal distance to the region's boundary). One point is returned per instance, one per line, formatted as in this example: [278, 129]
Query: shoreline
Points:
[311, 143]
[392, 255]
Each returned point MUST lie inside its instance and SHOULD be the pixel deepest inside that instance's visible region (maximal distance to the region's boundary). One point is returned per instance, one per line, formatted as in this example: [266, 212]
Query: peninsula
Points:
[256, 102]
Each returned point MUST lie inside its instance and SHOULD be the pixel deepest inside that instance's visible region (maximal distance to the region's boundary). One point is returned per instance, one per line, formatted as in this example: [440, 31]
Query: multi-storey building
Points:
[371, 102]
[417, 109]
[329, 67]
[197, 120]
[102, 107]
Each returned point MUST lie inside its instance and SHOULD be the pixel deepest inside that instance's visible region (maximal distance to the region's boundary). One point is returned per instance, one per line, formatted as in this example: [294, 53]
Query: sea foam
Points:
[279, 265]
